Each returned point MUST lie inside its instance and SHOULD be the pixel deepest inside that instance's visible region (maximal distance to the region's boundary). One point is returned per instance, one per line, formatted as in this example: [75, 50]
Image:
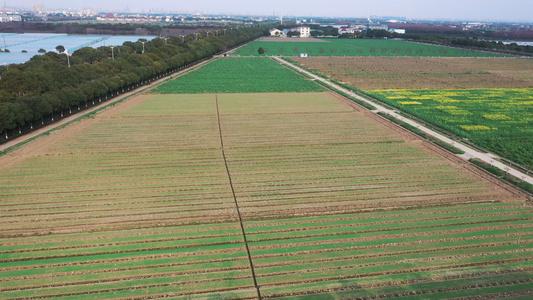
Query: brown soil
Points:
[279, 39]
[370, 73]
[508, 192]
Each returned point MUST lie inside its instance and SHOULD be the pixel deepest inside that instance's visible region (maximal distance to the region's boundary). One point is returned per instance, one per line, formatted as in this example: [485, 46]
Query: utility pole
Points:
[143, 46]
[113, 52]
[68, 58]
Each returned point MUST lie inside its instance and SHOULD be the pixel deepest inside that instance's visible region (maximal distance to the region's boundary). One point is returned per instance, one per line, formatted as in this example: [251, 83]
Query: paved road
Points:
[469, 152]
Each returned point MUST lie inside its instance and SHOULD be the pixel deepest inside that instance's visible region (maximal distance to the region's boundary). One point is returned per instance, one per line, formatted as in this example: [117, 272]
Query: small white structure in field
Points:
[303, 55]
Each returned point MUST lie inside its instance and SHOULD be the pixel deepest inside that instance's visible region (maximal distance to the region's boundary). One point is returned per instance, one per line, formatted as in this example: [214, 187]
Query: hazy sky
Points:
[491, 10]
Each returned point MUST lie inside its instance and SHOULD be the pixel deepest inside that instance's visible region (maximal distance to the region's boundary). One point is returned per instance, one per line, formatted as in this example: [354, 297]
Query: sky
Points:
[475, 10]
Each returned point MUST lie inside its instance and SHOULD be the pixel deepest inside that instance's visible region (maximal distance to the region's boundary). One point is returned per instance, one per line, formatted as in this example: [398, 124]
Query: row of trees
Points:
[80, 28]
[442, 39]
[472, 43]
[46, 85]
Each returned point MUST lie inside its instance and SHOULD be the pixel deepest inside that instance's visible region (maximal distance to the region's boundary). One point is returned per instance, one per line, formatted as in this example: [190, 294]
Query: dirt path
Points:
[469, 152]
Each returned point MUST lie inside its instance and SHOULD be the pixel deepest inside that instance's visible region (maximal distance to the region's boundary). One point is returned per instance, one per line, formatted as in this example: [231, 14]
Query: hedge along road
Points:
[20, 141]
[469, 152]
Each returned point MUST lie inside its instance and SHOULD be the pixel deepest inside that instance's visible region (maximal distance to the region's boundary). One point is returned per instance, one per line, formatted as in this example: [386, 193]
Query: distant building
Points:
[396, 30]
[347, 30]
[277, 33]
[10, 18]
[377, 27]
[303, 55]
[354, 28]
[305, 31]
[358, 28]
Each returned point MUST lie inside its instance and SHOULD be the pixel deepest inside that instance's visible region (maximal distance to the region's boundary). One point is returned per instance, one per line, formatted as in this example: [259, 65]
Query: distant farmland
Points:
[247, 195]
[372, 73]
[357, 47]
[231, 75]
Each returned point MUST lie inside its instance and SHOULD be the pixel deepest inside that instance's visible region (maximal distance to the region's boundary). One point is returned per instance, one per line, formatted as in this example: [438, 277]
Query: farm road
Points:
[469, 152]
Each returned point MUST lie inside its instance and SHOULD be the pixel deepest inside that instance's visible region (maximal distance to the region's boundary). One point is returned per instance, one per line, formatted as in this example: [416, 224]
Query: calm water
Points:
[32, 42]
[520, 43]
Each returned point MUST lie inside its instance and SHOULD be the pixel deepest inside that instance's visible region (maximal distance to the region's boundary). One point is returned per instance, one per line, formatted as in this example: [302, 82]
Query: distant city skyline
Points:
[475, 10]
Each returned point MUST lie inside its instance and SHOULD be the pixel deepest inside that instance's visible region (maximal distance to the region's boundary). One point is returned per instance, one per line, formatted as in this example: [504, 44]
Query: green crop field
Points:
[357, 47]
[500, 120]
[227, 195]
[232, 75]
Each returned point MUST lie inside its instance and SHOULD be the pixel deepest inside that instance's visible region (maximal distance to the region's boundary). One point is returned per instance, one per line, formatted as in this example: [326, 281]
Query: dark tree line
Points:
[80, 28]
[45, 86]
[447, 40]
[471, 43]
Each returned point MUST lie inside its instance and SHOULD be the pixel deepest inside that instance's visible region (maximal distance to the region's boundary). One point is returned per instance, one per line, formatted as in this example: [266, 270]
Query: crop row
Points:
[327, 229]
[449, 242]
[299, 224]
[420, 288]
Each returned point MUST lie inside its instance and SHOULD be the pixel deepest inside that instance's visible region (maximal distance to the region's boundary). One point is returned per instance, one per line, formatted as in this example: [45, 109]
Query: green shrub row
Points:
[503, 175]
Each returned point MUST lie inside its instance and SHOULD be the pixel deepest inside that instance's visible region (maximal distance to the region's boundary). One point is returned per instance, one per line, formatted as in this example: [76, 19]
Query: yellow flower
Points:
[474, 127]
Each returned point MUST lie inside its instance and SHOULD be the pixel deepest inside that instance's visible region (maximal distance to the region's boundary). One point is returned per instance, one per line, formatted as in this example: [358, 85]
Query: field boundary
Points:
[236, 202]
[469, 152]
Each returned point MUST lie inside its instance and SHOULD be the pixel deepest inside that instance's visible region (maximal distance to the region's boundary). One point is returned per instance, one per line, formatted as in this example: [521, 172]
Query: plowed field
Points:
[246, 196]
[138, 202]
[373, 73]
